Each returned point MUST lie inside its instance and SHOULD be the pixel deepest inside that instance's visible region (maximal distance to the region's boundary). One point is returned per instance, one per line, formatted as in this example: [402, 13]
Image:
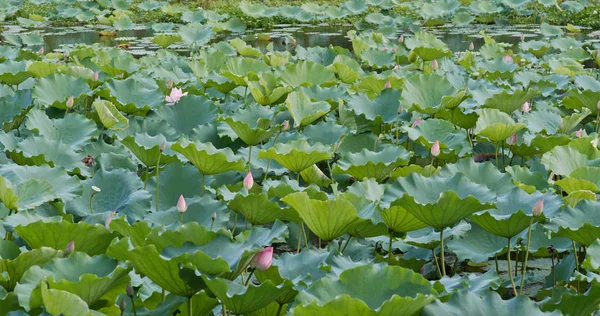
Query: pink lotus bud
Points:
[525, 107]
[512, 140]
[508, 58]
[415, 123]
[70, 247]
[41, 50]
[122, 75]
[181, 205]
[263, 259]
[248, 181]
[285, 126]
[435, 64]
[435, 149]
[385, 48]
[163, 145]
[387, 85]
[70, 102]
[400, 109]
[170, 84]
[109, 219]
[122, 305]
[471, 46]
[401, 38]
[214, 216]
[395, 49]
[95, 76]
[129, 290]
[579, 133]
[522, 37]
[397, 67]
[538, 207]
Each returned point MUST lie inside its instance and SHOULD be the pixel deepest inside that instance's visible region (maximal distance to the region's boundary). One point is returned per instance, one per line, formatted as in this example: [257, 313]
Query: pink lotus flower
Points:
[579, 133]
[435, 149]
[263, 259]
[538, 207]
[387, 85]
[522, 37]
[471, 46]
[70, 247]
[175, 96]
[415, 123]
[508, 58]
[435, 64]
[181, 204]
[400, 109]
[109, 219]
[512, 140]
[41, 51]
[285, 126]
[525, 107]
[248, 181]
[170, 84]
[95, 76]
[70, 102]
[397, 67]
[401, 38]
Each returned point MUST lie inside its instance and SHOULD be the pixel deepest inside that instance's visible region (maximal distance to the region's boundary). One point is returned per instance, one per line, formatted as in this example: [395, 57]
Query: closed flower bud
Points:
[435, 64]
[471, 46]
[163, 145]
[70, 102]
[508, 58]
[522, 37]
[525, 107]
[538, 207]
[263, 259]
[129, 290]
[512, 140]
[248, 181]
[122, 305]
[41, 50]
[285, 126]
[95, 76]
[579, 132]
[214, 216]
[435, 149]
[598, 105]
[401, 39]
[109, 219]
[181, 205]
[70, 247]
[387, 85]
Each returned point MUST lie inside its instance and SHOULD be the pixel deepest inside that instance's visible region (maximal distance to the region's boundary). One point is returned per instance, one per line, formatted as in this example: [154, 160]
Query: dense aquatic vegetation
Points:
[211, 176]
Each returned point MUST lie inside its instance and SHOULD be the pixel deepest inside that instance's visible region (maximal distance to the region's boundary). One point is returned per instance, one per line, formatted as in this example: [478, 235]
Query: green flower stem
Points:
[163, 294]
[442, 262]
[234, 225]
[202, 188]
[346, 245]
[269, 162]
[524, 268]
[437, 264]
[190, 306]
[497, 268]
[157, 182]
[305, 236]
[397, 129]
[576, 261]
[133, 306]
[212, 223]
[249, 159]
[279, 309]
[390, 261]
[299, 242]
[249, 277]
[146, 178]
[510, 275]
[597, 121]
[181, 218]
[91, 204]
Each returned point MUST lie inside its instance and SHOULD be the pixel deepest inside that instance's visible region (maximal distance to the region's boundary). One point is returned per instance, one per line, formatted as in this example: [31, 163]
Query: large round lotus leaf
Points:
[121, 191]
[253, 124]
[565, 159]
[243, 300]
[302, 268]
[314, 175]
[147, 149]
[303, 110]
[484, 173]
[427, 93]
[509, 101]
[55, 89]
[470, 304]
[327, 219]
[296, 155]
[541, 121]
[109, 115]
[97, 280]
[257, 208]
[513, 212]
[190, 112]
[238, 69]
[370, 223]
[399, 220]
[195, 34]
[90, 239]
[580, 223]
[165, 40]
[591, 174]
[586, 99]
[377, 58]
[539, 144]
[26, 194]
[58, 302]
[134, 95]
[497, 69]
[66, 187]
[14, 109]
[347, 69]
[383, 108]
[437, 201]
[306, 73]
[74, 129]
[14, 72]
[369, 164]
[427, 46]
[267, 90]
[387, 290]
[495, 125]
[592, 257]
[17, 262]
[428, 131]
[429, 239]
[207, 158]
[244, 49]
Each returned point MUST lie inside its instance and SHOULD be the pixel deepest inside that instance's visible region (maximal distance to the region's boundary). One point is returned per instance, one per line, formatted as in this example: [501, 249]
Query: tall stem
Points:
[133, 306]
[512, 279]
[202, 188]
[346, 245]
[146, 179]
[190, 306]
[250, 159]
[305, 234]
[524, 268]
[164, 294]
[249, 277]
[390, 261]
[234, 225]
[496, 156]
[443, 262]
[91, 204]
[279, 309]
[157, 182]
[437, 264]
[576, 261]
[269, 161]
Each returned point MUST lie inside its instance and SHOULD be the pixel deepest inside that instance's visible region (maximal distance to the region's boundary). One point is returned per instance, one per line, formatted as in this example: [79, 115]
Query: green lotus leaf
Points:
[14, 72]
[121, 191]
[327, 219]
[26, 195]
[296, 155]
[41, 69]
[565, 159]
[370, 223]
[306, 73]
[550, 30]
[90, 239]
[484, 173]
[109, 115]
[592, 257]
[115, 61]
[539, 144]
[572, 303]
[238, 69]
[399, 220]
[579, 223]
[347, 69]
[378, 59]
[244, 49]
[495, 125]
[73, 129]
[195, 34]
[509, 101]
[54, 90]
[427, 93]
[266, 90]
[384, 290]
[190, 112]
[582, 100]
[66, 187]
[208, 159]
[15, 264]
[383, 108]
[256, 208]
[303, 110]
[568, 123]
[134, 95]
[427, 46]
[437, 201]
[314, 175]
[97, 280]
[429, 239]
[513, 214]
[253, 124]
[570, 185]
[542, 122]
[14, 109]
[430, 130]
[471, 304]
[147, 149]
[458, 118]
[368, 164]
[59, 302]
[538, 48]
[165, 40]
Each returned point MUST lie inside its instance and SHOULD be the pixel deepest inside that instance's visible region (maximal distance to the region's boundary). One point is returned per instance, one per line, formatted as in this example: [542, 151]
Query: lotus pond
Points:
[407, 163]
